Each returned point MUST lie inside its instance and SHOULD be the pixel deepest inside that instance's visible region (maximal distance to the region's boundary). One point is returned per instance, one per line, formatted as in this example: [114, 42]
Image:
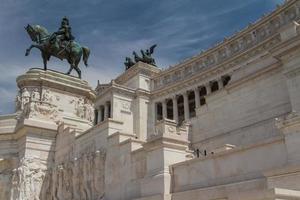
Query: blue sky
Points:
[112, 29]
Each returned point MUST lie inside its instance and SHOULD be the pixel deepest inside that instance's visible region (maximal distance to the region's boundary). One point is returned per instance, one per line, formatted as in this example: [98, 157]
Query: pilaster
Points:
[167, 146]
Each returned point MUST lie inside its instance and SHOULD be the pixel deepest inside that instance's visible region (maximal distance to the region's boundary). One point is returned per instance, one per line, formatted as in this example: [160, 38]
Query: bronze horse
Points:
[50, 47]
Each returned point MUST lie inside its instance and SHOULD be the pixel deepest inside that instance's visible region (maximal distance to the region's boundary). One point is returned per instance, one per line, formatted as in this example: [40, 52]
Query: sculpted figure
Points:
[98, 174]
[18, 101]
[64, 35]
[75, 179]
[60, 44]
[81, 175]
[146, 57]
[137, 58]
[46, 191]
[89, 111]
[35, 95]
[46, 97]
[128, 63]
[79, 108]
[25, 97]
[86, 177]
[16, 181]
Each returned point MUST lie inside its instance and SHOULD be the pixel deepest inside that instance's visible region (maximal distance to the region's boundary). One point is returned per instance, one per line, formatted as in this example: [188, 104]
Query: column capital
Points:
[174, 96]
[185, 93]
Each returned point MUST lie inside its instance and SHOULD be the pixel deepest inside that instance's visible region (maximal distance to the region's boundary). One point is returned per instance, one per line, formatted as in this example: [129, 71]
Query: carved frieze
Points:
[126, 106]
[83, 108]
[28, 179]
[33, 105]
[79, 178]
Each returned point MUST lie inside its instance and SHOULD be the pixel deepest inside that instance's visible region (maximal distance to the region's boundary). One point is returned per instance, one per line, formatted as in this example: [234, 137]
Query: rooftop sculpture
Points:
[146, 57]
[59, 44]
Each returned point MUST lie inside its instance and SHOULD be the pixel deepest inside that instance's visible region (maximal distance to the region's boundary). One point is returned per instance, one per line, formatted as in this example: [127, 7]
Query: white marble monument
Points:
[223, 125]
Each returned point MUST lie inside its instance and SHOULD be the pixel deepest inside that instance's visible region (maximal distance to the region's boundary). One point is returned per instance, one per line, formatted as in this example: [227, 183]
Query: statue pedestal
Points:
[46, 99]
[54, 97]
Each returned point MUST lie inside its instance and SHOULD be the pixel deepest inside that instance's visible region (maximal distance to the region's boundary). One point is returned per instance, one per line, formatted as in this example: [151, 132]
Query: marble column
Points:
[164, 109]
[208, 88]
[220, 83]
[197, 97]
[175, 108]
[186, 106]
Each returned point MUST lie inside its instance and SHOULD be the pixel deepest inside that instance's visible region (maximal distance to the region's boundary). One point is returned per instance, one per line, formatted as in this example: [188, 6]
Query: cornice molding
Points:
[55, 80]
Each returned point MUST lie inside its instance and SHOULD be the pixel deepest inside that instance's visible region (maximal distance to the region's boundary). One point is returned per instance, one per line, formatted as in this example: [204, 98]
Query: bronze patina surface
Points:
[59, 44]
[146, 57]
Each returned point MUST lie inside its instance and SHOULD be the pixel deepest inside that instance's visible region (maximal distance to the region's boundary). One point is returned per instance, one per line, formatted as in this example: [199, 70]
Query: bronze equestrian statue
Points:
[60, 44]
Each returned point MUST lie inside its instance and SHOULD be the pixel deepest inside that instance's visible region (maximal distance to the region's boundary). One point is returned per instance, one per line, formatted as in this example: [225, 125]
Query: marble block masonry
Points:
[222, 125]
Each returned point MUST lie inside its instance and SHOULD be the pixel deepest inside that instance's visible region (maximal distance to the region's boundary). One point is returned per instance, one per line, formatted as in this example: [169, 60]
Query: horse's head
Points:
[34, 31]
[31, 32]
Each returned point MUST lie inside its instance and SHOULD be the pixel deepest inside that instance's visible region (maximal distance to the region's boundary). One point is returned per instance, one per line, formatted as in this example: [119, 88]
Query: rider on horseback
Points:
[51, 45]
[64, 34]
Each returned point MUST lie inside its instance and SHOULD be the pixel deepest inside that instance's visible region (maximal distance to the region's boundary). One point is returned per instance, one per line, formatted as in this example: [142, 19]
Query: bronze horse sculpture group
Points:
[49, 45]
[146, 58]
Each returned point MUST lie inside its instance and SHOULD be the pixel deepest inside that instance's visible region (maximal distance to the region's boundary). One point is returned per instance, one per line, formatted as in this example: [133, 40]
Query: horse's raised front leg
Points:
[29, 49]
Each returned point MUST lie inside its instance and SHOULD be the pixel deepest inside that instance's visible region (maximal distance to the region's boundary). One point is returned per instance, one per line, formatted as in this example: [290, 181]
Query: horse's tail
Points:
[86, 54]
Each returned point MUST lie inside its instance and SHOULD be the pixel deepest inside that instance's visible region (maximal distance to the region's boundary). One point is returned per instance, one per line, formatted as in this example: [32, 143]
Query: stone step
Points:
[134, 144]
[118, 137]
